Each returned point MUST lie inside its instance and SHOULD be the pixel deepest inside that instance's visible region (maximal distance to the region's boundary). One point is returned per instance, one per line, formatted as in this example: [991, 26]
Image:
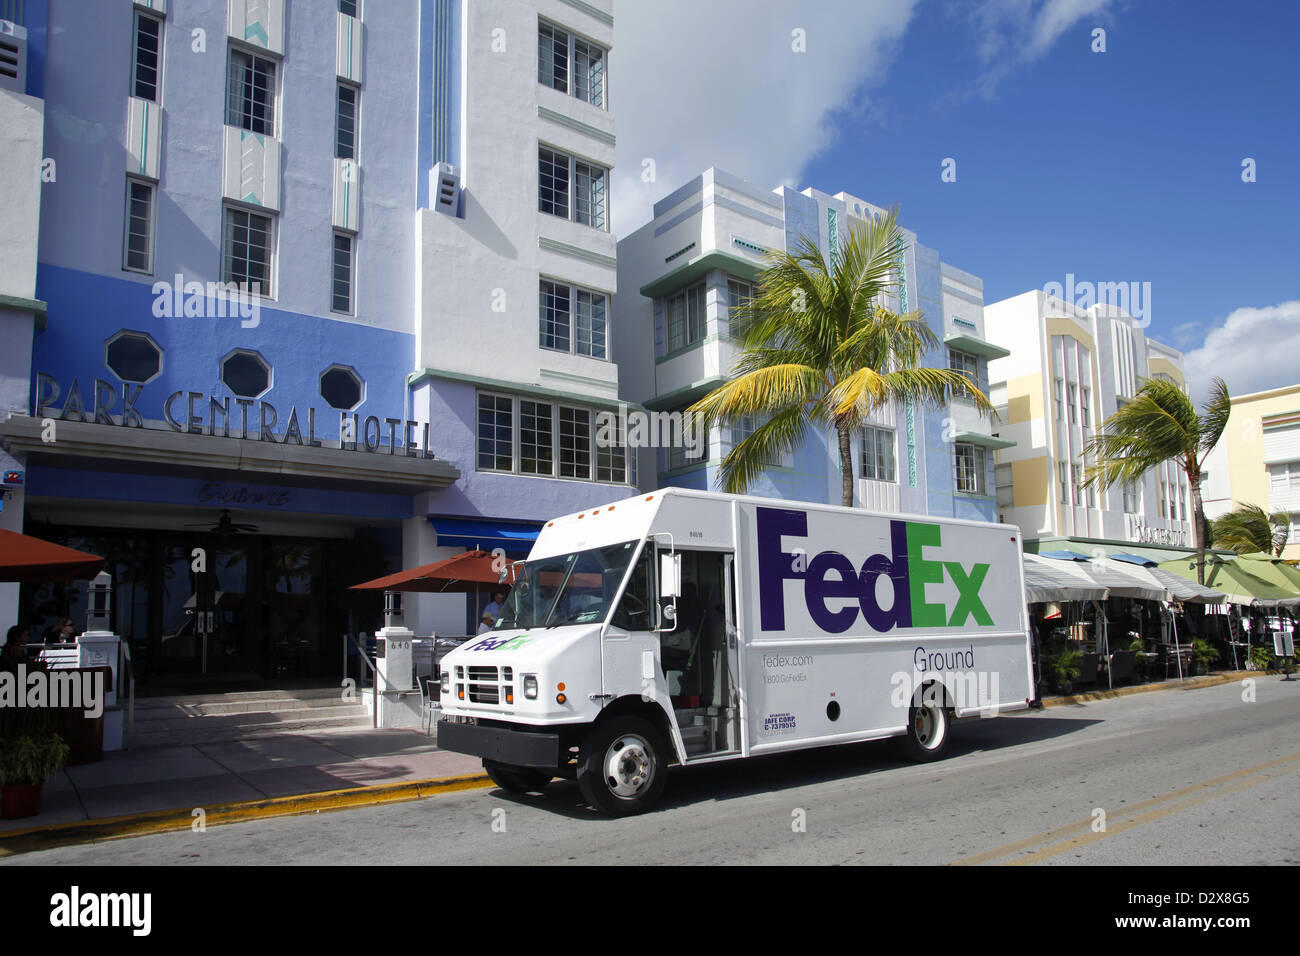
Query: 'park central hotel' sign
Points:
[197, 413]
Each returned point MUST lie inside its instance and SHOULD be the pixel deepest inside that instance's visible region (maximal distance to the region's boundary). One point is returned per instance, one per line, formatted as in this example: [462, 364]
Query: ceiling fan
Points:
[225, 526]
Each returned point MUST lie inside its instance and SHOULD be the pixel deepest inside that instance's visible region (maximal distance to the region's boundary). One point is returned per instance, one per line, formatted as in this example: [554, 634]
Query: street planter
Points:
[26, 762]
[21, 800]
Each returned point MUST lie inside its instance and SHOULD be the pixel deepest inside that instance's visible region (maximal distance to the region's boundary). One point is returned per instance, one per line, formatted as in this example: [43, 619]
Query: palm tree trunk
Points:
[1198, 526]
[846, 466]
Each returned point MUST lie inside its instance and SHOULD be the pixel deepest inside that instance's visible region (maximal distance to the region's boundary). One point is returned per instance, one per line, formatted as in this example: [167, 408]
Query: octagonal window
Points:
[341, 387]
[133, 357]
[246, 373]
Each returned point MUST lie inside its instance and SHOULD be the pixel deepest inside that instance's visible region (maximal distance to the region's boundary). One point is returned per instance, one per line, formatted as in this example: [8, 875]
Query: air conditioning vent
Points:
[446, 188]
[13, 57]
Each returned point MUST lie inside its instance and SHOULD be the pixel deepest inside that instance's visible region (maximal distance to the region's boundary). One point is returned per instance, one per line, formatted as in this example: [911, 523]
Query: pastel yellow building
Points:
[1257, 462]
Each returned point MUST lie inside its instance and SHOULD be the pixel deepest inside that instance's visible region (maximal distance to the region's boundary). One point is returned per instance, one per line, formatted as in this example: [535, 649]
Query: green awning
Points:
[969, 343]
[979, 438]
[1273, 570]
[695, 269]
[684, 396]
[1238, 584]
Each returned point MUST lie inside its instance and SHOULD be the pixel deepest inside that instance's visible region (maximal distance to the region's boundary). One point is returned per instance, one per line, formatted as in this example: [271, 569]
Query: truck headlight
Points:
[530, 686]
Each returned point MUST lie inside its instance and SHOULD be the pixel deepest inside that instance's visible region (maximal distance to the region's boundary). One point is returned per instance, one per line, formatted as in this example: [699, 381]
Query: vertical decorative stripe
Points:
[833, 235]
[441, 81]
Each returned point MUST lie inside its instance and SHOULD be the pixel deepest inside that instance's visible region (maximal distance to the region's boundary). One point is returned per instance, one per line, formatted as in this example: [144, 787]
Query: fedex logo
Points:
[831, 575]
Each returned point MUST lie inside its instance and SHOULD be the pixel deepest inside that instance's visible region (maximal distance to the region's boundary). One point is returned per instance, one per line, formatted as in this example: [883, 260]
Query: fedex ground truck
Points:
[692, 627]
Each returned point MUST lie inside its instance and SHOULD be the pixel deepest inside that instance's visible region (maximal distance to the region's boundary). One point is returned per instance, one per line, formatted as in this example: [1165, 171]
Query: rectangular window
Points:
[970, 469]
[1130, 498]
[138, 254]
[1077, 472]
[1060, 401]
[1182, 502]
[246, 258]
[611, 463]
[345, 123]
[589, 72]
[553, 57]
[590, 331]
[560, 177]
[536, 438]
[147, 68]
[686, 318]
[1085, 414]
[556, 311]
[1164, 499]
[878, 454]
[575, 443]
[553, 182]
[1063, 479]
[573, 319]
[693, 446]
[250, 99]
[589, 194]
[1074, 404]
[341, 288]
[570, 64]
[349, 7]
[739, 295]
[495, 433]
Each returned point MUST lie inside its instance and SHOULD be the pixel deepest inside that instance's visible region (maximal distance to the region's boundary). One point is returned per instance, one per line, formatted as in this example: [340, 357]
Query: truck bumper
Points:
[517, 748]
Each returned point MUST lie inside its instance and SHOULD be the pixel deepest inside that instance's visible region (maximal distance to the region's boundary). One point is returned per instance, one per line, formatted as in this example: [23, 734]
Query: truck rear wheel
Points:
[929, 728]
[622, 766]
[516, 779]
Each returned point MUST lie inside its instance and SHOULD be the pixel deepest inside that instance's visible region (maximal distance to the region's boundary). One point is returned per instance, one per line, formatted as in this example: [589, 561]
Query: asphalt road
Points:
[1181, 777]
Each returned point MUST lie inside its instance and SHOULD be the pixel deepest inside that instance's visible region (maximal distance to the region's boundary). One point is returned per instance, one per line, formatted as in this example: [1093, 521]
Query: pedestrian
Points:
[15, 650]
[486, 622]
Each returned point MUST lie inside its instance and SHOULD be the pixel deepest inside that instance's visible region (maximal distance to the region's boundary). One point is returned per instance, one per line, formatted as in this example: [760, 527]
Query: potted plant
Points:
[26, 762]
[1063, 667]
[1204, 655]
[1261, 658]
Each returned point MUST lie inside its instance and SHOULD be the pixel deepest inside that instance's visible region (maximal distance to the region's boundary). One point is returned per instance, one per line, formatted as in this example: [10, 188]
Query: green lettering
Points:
[922, 572]
[968, 590]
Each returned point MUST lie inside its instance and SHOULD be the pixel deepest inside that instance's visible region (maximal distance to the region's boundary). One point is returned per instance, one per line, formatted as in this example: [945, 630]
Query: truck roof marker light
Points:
[610, 508]
[580, 517]
[596, 512]
[649, 497]
[550, 524]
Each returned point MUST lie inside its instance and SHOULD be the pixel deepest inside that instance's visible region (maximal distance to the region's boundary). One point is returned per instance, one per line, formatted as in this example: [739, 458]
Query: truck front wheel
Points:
[516, 779]
[622, 766]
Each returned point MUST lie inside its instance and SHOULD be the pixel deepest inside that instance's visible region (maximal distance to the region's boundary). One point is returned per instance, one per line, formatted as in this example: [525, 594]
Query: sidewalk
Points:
[155, 789]
[246, 775]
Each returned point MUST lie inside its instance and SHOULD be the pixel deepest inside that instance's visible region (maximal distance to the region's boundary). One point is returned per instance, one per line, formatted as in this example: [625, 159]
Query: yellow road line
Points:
[163, 821]
[1131, 811]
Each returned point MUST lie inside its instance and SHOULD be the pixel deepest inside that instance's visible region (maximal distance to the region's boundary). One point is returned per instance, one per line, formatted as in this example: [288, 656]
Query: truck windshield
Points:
[575, 588]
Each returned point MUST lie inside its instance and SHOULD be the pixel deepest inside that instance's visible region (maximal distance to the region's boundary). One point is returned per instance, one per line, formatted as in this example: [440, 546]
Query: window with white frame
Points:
[571, 64]
[1085, 404]
[739, 295]
[345, 122]
[349, 8]
[250, 97]
[137, 254]
[247, 254]
[969, 468]
[965, 363]
[574, 442]
[341, 279]
[1182, 502]
[1284, 477]
[1164, 499]
[1130, 490]
[1063, 480]
[686, 317]
[1060, 400]
[878, 453]
[1076, 470]
[547, 439]
[1074, 403]
[573, 319]
[571, 188]
[146, 73]
[690, 447]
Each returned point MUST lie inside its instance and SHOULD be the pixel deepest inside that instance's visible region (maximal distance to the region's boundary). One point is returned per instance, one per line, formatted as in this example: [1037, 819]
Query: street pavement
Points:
[1197, 776]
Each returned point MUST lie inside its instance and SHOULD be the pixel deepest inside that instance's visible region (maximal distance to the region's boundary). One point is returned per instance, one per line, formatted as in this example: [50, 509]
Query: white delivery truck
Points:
[692, 627]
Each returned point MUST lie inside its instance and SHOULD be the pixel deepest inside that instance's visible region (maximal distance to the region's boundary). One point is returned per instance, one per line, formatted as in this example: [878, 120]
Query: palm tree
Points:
[820, 349]
[1161, 424]
[1248, 529]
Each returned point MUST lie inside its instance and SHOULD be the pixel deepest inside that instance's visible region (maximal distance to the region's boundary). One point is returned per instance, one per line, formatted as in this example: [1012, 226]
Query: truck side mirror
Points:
[670, 575]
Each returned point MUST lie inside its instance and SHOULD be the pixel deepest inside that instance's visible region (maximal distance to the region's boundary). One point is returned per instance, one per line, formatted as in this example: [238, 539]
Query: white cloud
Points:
[1011, 34]
[1252, 350]
[699, 84]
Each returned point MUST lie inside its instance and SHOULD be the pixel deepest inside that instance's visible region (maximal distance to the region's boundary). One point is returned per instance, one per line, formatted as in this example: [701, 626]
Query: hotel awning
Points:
[1049, 580]
[486, 534]
[1237, 584]
[979, 438]
[969, 343]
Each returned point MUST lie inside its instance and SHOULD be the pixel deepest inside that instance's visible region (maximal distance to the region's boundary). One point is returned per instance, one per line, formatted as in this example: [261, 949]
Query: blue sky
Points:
[1123, 165]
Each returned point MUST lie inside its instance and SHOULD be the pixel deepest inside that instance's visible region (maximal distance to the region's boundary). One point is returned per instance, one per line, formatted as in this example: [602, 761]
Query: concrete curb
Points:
[163, 821]
[1191, 683]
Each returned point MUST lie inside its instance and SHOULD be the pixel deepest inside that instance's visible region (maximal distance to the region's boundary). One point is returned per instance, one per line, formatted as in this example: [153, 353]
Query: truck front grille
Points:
[486, 685]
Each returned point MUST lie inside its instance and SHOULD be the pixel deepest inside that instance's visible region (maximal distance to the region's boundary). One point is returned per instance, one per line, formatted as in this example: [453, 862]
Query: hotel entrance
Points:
[222, 607]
